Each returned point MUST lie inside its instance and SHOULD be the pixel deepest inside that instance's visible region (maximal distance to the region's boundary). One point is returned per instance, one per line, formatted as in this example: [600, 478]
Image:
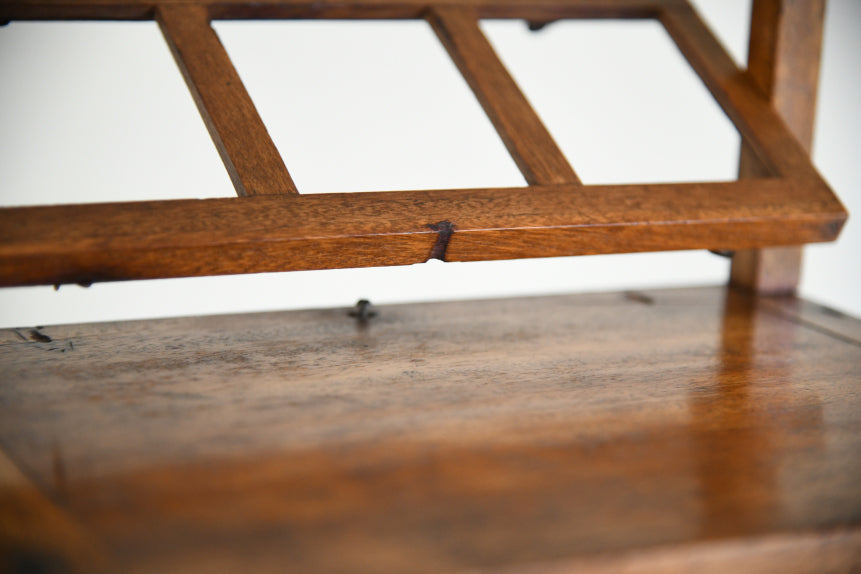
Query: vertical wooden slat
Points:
[250, 156]
[528, 141]
[783, 62]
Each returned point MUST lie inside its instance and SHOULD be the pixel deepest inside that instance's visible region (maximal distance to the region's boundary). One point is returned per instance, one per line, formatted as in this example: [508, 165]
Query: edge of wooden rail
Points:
[184, 238]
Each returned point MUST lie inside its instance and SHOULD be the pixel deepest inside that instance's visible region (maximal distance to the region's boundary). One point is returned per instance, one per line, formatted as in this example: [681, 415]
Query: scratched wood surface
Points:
[694, 430]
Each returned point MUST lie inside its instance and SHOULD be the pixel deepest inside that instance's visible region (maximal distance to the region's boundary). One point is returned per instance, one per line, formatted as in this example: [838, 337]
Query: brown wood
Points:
[756, 120]
[771, 271]
[406, 9]
[790, 205]
[693, 430]
[783, 62]
[248, 153]
[104, 242]
[528, 141]
[815, 316]
[38, 536]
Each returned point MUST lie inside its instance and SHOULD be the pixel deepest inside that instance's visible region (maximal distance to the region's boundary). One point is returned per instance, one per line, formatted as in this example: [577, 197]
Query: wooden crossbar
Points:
[178, 238]
[276, 228]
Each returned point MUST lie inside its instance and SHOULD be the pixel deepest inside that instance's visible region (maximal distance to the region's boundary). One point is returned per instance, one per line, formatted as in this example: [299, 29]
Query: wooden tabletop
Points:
[680, 430]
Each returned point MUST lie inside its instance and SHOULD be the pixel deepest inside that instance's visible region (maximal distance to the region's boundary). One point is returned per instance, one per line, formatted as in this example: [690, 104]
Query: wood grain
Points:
[179, 238]
[689, 429]
[84, 244]
[783, 62]
[406, 9]
[528, 141]
[248, 153]
[747, 107]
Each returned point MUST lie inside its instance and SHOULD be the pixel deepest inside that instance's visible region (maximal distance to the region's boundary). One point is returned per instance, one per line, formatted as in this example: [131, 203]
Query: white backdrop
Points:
[99, 112]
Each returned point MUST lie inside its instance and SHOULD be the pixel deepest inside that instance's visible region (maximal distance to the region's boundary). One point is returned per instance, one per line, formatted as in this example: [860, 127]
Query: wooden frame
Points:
[275, 228]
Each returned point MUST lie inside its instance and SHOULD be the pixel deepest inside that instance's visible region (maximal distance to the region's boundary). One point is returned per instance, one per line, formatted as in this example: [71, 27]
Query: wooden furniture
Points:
[705, 430]
[782, 200]
[699, 430]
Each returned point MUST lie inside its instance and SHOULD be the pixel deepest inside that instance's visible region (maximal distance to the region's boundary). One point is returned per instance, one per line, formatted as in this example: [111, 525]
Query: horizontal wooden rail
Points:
[388, 9]
[140, 240]
[528, 141]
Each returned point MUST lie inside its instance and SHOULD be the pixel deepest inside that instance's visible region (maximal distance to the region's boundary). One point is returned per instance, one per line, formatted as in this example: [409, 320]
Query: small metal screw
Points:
[363, 310]
[537, 25]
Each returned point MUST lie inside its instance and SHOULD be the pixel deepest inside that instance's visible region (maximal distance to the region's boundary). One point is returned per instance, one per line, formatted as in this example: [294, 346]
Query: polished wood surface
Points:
[788, 204]
[252, 161]
[694, 430]
[758, 123]
[185, 238]
[783, 62]
[528, 141]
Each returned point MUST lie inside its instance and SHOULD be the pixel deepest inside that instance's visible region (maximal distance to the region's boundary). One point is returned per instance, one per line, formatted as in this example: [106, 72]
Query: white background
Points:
[99, 112]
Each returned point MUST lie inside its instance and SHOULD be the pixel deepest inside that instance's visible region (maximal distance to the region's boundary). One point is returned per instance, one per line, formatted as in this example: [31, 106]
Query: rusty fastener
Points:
[363, 310]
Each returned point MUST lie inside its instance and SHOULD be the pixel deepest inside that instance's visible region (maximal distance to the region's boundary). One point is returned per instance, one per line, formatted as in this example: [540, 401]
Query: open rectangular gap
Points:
[620, 100]
[99, 112]
[366, 106]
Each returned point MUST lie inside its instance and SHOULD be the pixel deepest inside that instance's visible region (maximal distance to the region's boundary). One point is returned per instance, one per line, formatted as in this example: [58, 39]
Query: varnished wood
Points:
[104, 242]
[36, 535]
[815, 316]
[756, 120]
[697, 430]
[783, 62]
[783, 59]
[389, 9]
[82, 244]
[528, 141]
[248, 153]
[770, 271]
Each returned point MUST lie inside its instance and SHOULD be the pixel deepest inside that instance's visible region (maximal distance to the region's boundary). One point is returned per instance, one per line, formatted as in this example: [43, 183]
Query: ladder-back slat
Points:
[528, 141]
[757, 122]
[253, 162]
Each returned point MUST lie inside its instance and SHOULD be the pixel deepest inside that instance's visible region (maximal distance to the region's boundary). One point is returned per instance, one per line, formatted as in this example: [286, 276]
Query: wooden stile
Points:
[783, 62]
